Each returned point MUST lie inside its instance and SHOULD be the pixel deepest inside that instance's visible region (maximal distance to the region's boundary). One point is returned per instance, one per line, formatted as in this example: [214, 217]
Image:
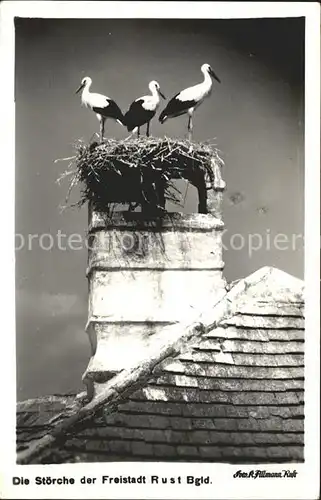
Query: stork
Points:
[143, 109]
[103, 106]
[186, 101]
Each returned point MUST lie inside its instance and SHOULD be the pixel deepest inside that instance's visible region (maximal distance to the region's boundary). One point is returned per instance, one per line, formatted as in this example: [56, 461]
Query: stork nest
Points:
[138, 170]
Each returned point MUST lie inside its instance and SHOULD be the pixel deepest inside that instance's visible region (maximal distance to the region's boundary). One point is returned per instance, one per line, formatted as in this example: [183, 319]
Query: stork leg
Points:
[190, 126]
[148, 129]
[138, 131]
[102, 129]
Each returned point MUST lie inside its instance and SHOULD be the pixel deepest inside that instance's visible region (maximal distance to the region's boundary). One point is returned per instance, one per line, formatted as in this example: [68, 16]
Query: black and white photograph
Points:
[164, 301]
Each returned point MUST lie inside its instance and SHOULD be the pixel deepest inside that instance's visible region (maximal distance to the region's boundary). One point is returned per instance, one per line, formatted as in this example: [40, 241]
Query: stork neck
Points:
[207, 78]
[154, 92]
[85, 94]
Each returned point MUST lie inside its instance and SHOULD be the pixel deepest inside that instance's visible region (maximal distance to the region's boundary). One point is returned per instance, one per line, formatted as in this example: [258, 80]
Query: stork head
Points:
[85, 82]
[206, 68]
[153, 85]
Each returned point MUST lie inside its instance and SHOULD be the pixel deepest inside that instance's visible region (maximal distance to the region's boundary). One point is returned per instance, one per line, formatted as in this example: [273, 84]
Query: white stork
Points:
[143, 109]
[189, 99]
[103, 106]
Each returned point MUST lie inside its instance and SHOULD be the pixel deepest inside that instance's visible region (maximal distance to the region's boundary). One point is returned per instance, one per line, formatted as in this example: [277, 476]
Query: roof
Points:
[229, 388]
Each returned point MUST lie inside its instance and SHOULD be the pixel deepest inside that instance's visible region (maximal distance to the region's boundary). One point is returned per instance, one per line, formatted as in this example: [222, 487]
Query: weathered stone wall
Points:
[145, 274]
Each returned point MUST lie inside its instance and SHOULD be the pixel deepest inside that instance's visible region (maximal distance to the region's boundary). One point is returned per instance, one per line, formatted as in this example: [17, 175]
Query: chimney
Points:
[146, 272]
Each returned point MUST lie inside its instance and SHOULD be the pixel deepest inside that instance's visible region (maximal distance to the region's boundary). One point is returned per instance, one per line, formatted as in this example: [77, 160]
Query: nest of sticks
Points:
[138, 170]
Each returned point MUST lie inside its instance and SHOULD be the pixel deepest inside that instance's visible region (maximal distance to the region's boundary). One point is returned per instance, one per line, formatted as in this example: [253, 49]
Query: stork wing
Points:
[98, 100]
[111, 110]
[176, 107]
[137, 115]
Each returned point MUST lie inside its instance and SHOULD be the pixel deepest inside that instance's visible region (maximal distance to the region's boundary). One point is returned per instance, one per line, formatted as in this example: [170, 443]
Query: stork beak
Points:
[214, 75]
[161, 94]
[79, 88]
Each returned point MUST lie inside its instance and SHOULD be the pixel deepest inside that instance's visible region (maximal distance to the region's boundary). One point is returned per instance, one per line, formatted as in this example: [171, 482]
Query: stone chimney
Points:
[145, 273]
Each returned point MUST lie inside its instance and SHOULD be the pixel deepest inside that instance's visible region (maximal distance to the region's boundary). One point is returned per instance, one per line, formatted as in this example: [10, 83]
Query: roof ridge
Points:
[52, 398]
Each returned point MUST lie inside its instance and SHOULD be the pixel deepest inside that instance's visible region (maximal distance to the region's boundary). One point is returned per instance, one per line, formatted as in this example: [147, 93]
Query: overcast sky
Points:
[255, 116]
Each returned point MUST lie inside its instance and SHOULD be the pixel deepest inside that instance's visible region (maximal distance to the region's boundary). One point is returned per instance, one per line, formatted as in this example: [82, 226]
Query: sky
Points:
[255, 116]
